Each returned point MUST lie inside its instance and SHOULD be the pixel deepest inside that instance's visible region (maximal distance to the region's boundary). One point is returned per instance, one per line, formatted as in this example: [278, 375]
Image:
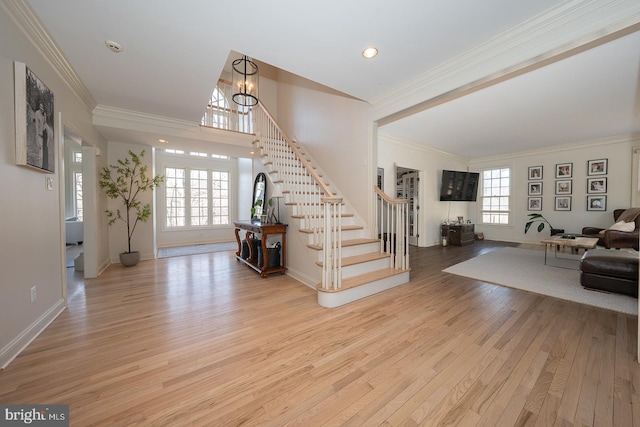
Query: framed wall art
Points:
[534, 204]
[597, 167]
[564, 170]
[535, 172]
[596, 203]
[596, 185]
[35, 133]
[563, 186]
[563, 203]
[535, 189]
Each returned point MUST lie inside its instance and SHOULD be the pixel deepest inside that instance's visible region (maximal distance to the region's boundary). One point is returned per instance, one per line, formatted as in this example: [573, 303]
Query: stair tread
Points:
[349, 242]
[344, 228]
[363, 279]
[359, 259]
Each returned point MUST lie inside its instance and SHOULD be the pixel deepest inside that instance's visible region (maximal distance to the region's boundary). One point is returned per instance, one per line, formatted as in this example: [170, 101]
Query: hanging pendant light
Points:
[245, 82]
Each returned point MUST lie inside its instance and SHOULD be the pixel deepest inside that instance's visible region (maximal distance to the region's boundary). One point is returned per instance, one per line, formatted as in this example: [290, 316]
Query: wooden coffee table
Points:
[571, 260]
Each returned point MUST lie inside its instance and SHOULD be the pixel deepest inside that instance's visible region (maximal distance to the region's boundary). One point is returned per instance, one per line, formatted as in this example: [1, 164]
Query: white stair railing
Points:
[391, 219]
[312, 198]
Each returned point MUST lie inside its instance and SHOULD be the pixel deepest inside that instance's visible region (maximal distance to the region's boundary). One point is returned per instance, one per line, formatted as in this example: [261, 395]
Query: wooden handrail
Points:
[388, 199]
[300, 156]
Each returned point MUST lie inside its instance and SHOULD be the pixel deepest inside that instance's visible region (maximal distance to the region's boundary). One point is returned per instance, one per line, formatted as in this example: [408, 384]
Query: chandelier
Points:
[245, 82]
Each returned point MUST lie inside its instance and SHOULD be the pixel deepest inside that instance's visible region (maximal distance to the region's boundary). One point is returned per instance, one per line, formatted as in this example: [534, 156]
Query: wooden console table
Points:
[253, 228]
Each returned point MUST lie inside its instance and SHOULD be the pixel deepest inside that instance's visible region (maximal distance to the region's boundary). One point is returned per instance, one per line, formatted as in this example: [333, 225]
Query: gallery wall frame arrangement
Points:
[34, 121]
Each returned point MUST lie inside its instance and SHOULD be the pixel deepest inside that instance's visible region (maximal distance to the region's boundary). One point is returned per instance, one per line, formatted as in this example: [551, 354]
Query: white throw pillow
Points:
[623, 226]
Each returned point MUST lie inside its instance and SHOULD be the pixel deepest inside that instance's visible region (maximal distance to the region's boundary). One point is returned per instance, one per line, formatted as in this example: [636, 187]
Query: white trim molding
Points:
[569, 28]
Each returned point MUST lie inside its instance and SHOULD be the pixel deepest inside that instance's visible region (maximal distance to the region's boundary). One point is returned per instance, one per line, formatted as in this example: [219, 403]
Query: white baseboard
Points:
[19, 343]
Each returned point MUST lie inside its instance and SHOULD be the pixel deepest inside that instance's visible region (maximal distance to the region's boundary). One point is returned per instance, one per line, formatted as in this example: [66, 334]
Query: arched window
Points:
[217, 114]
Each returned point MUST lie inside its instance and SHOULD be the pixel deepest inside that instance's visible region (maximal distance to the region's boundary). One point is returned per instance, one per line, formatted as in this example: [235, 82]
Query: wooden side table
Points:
[264, 230]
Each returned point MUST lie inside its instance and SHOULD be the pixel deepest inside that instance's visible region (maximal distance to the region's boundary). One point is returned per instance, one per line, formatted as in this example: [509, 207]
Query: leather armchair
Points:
[614, 239]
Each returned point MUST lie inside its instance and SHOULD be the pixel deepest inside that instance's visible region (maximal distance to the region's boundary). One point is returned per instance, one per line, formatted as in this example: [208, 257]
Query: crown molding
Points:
[567, 29]
[618, 139]
[23, 16]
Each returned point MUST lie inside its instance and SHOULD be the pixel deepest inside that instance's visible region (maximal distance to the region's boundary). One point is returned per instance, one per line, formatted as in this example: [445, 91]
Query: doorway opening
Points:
[407, 187]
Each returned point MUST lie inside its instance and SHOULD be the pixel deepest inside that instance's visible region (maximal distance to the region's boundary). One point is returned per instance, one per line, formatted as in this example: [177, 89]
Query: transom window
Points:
[496, 196]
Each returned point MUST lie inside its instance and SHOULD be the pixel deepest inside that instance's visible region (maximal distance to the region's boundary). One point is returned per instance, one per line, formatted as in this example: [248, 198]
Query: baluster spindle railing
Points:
[314, 201]
[391, 219]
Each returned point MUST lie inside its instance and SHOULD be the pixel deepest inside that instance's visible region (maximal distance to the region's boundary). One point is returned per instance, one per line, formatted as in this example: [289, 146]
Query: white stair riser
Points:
[365, 267]
[354, 250]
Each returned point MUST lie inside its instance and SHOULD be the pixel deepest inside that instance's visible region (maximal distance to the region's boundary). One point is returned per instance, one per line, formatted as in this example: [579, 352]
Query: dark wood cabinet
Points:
[255, 229]
[458, 234]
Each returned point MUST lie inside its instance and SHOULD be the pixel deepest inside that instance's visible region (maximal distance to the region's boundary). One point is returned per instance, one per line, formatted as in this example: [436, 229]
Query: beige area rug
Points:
[524, 269]
[196, 249]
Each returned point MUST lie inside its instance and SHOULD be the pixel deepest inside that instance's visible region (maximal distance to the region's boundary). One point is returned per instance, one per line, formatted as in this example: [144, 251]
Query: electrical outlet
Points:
[34, 294]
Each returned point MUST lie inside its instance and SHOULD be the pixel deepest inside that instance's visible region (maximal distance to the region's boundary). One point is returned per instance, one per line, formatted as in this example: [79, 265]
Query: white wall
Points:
[334, 129]
[32, 217]
[618, 151]
[393, 153]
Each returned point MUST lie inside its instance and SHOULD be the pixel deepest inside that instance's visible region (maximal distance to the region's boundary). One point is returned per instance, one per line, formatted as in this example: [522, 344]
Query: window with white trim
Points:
[496, 196]
[77, 195]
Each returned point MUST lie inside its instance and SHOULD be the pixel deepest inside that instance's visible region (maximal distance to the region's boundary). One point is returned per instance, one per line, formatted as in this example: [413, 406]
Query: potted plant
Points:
[536, 217]
[126, 181]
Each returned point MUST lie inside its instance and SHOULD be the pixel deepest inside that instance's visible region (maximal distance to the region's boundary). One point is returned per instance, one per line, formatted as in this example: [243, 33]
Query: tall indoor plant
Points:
[126, 181]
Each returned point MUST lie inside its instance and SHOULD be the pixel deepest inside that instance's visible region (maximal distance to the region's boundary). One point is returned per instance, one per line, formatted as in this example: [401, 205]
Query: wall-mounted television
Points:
[459, 186]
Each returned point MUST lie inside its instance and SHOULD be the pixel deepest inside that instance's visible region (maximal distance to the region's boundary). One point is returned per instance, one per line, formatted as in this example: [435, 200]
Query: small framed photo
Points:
[596, 185]
[534, 204]
[563, 186]
[535, 172]
[564, 170]
[596, 203]
[563, 203]
[535, 189]
[597, 167]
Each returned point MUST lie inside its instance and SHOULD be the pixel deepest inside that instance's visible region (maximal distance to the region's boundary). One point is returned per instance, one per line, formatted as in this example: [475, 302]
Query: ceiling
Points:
[174, 52]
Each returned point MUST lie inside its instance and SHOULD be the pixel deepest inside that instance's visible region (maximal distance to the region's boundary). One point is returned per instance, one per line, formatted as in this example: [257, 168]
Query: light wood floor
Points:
[202, 340]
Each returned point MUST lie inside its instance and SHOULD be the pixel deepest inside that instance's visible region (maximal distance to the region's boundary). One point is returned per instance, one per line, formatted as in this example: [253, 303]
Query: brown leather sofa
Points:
[614, 239]
[611, 271]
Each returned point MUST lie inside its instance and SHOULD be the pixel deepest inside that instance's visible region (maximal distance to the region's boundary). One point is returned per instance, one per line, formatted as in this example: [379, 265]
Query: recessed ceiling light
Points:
[164, 141]
[114, 46]
[370, 52]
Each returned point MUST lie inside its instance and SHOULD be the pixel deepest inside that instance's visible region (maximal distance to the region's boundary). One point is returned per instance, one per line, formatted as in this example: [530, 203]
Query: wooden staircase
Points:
[356, 264]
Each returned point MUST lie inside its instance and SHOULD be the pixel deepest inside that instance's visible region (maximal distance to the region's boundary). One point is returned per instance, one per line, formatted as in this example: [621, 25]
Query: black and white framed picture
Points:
[596, 203]
[535, 172]
[534, 204]
[381, 179]
[596, 185]
[564, 170]
[563, 186]
[597, 167]
[34, 116]
[563, 203]
[535, 189]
